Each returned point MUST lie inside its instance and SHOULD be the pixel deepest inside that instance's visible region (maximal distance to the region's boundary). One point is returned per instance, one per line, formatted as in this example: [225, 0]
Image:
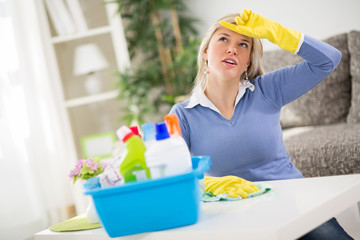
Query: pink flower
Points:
[76, 171]
[85, 169]
[79, 164]
[91, 164]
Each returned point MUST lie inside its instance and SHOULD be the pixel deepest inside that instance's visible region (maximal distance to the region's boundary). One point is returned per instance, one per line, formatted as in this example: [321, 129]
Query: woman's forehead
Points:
[229, 33]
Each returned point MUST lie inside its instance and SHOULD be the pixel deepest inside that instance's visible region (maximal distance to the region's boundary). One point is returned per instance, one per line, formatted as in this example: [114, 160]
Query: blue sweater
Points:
[251, 145]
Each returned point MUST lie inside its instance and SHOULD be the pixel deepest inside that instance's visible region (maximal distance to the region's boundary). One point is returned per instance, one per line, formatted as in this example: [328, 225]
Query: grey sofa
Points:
[322, 128]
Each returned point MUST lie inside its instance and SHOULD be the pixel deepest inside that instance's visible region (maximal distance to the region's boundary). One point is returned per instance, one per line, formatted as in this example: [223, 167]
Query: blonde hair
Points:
[255, 68]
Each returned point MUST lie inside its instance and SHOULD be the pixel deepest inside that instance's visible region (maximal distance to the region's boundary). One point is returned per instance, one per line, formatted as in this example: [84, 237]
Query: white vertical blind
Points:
[35, 190]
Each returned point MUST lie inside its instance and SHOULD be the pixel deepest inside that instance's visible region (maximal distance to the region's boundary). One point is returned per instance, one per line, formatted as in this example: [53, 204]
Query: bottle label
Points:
[157, 171]
[140, 175]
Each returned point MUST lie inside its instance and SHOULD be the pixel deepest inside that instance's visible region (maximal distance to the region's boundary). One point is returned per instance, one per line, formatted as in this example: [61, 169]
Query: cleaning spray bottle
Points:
[173, 126]
[172, 123]
[167, 156]
[133, 166]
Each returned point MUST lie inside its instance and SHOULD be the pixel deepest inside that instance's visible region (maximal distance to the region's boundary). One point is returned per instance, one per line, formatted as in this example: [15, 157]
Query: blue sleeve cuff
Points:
[299, 44]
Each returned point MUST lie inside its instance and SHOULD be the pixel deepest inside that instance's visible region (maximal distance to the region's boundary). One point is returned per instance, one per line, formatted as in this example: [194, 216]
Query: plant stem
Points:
[177, 33]
[164, 55]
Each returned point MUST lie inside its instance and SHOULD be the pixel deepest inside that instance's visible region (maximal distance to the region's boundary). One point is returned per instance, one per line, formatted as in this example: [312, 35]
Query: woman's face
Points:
[228, 54]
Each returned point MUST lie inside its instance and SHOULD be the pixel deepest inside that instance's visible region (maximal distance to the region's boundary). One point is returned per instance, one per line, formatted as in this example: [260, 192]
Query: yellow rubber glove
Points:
[253, 25]
[231, 185]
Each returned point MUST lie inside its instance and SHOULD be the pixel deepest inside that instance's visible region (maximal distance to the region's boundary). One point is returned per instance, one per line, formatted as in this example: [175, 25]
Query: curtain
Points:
[34, 154]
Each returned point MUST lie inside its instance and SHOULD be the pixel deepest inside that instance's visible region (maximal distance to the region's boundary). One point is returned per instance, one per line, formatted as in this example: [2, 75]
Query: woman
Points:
[233, 114]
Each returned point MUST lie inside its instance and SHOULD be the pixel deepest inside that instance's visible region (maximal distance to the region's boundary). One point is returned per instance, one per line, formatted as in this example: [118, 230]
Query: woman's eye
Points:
[243, 45]
[222, 39]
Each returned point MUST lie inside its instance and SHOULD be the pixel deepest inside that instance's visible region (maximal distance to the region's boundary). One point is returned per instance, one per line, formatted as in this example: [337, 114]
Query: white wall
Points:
[318, 18]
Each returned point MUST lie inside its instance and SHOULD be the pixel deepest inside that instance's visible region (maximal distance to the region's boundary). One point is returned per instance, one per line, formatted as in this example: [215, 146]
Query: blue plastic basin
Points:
[151, 205]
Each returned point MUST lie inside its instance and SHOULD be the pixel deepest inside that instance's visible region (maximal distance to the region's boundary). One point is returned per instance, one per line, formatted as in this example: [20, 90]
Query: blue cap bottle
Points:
[161, 131]
[149, 131]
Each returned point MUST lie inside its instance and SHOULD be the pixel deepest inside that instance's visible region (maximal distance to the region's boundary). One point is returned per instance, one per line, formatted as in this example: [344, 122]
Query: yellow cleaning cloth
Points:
[74, 224]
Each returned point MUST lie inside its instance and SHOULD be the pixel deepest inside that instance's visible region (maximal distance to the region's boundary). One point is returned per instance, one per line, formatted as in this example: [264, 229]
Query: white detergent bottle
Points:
[173, 126]
[167, 156]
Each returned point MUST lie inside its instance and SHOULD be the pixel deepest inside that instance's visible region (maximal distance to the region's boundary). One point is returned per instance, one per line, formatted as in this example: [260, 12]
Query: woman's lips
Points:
[230, 61]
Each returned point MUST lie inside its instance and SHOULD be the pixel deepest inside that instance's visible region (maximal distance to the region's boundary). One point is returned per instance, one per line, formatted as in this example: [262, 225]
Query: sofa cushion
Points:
[324, 150]
[354, 49]
[328, 102]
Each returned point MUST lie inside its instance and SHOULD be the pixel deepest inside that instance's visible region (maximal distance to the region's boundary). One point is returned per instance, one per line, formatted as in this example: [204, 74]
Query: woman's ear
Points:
[204, 55]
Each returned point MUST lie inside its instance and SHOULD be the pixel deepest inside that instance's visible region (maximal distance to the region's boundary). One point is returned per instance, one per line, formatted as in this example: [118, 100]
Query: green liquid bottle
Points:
[133, 165]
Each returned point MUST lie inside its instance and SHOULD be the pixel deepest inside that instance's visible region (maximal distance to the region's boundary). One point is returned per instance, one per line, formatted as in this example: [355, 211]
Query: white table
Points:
[289, 210]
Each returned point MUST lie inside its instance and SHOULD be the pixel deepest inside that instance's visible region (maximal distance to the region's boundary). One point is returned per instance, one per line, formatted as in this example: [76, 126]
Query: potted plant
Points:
[163, 45]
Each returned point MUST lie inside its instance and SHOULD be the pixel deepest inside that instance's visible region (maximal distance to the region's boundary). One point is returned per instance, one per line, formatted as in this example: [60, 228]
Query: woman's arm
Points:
[287, 84]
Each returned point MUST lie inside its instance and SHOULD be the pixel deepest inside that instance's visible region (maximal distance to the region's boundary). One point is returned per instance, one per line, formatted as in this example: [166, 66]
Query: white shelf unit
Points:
[91, 99]
[108, 34]
[85, 114]
[80, 35]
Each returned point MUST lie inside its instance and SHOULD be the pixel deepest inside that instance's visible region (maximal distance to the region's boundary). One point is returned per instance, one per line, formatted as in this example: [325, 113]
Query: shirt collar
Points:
[199, 97]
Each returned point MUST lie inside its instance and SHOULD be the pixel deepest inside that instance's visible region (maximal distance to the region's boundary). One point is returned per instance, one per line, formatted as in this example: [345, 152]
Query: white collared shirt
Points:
[199, 97]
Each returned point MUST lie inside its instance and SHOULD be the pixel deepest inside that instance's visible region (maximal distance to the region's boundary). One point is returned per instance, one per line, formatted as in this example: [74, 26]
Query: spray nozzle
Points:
[124, 133]
[172, 123]
[135, 130]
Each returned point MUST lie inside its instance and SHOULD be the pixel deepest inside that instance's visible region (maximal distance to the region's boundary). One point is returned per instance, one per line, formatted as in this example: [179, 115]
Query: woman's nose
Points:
[232, 50]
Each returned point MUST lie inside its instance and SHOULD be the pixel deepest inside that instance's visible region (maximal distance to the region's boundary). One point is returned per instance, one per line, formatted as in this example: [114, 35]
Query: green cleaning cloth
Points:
[209, 197]
[74, 224]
